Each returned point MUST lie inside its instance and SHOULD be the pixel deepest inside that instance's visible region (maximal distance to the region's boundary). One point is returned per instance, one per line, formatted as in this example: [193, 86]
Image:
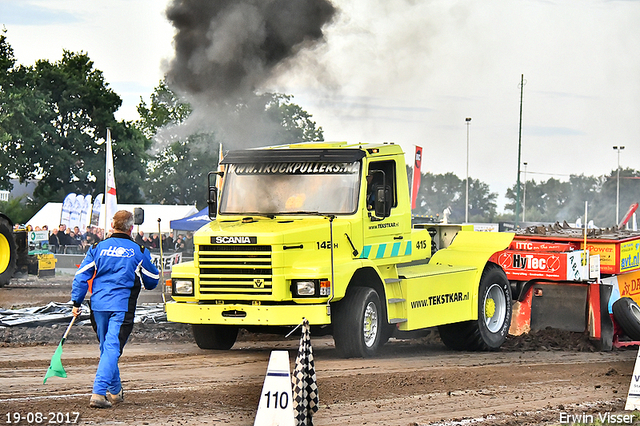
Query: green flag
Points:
[56, 368]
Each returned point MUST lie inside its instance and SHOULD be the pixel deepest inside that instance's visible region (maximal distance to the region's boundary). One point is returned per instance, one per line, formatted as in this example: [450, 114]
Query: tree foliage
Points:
[442, 191]
[553, 200]
[53, 122]
[178, 172]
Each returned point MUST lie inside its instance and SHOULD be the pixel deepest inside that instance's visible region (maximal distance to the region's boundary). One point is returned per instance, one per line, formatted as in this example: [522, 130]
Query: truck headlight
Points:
[182, 287]
[310, 288]
[304, 287]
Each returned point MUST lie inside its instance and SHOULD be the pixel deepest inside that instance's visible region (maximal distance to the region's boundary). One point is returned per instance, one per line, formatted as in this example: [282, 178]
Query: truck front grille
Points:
[235, 269]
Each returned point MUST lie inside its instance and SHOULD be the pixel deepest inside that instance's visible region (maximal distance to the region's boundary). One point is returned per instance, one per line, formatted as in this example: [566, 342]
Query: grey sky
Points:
[410, 71]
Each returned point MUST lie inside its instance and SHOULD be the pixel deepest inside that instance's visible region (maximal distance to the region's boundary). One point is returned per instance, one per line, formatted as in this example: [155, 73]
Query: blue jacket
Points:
[121, 267]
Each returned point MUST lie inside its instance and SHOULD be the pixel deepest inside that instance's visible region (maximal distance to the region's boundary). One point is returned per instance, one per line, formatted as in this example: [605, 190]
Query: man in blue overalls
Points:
[119, 268]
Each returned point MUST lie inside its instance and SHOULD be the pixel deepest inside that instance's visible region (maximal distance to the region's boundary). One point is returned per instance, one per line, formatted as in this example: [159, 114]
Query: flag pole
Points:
[110, 197]
[106, 179]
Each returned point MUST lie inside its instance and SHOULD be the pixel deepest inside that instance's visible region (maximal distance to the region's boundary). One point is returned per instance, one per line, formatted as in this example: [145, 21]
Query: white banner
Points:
[168, 260]
[76, 211]
[633, 396]
[38, 236]
[85, 216]
[67, 206]
[95, 213]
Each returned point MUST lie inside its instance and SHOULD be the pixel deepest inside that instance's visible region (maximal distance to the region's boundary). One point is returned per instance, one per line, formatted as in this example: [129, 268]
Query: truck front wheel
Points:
[358, 322]
[209, 336]
[8, 254]
[490, 330]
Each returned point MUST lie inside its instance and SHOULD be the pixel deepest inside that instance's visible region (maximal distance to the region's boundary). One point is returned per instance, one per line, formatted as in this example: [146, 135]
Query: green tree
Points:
[553, 200]
[604, 205]
[18, 209]
[165, 109]
[54, 128]
[438, 192]
[482, 202]
[178, 172]
[296, 123]
[19, 102]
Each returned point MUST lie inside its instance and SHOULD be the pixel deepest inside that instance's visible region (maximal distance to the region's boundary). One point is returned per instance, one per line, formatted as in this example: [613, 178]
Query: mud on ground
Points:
[534, 379]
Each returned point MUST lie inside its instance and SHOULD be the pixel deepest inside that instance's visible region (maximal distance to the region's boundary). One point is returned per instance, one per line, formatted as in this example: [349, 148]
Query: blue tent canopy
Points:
[193, 222]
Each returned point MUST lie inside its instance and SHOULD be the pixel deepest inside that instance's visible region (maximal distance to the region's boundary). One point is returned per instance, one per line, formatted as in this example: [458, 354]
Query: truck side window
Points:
[374, 178]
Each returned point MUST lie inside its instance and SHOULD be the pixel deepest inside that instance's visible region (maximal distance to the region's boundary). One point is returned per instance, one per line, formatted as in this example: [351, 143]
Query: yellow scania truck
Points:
[323, 231]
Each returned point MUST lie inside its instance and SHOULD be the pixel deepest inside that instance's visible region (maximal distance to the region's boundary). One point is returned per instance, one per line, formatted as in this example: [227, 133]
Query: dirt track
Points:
[410, 383]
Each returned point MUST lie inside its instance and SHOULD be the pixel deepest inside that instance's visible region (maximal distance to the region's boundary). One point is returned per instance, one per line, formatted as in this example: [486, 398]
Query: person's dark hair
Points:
[122, 221]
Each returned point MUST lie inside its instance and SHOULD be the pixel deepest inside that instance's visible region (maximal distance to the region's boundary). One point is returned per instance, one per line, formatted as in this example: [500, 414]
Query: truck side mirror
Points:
[212, 195]
[212, 202]
[382, 205]
[138, 216]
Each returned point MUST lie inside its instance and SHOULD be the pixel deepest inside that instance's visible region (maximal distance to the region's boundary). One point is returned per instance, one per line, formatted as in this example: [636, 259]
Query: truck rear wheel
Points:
[627, 313]
[490, 330]
[8, 254]
[209, 336]
[358, 323]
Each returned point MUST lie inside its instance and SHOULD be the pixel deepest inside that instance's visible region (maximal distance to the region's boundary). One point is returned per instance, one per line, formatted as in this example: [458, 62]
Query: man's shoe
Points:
[116, 398]
[99, 401]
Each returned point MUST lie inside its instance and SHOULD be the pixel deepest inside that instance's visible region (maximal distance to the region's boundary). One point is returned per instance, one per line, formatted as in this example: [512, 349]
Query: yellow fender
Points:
[471, 248]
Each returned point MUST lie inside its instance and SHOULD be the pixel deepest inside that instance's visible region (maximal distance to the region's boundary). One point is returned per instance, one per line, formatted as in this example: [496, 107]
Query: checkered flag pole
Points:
[305, 388]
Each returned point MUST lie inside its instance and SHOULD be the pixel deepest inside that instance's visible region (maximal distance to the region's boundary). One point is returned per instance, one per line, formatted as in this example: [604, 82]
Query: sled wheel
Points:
[209, 336]
[627, 313]
[490, 330]
[8, 254]
[358, 323]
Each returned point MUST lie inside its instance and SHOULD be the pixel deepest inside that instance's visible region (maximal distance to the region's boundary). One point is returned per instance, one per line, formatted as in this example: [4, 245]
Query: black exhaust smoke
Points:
[225, 49]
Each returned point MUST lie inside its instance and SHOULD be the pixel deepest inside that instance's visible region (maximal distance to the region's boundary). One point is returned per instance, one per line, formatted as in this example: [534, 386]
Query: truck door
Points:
[385, 238]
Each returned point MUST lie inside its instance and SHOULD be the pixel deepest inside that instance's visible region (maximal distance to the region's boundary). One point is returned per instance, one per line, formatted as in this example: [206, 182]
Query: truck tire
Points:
[626, 312]
[209, 336]
[8, 254]
[490, 330]
[358, 323]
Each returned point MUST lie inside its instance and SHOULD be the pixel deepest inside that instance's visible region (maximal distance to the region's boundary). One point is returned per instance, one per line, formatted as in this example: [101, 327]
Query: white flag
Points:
[111, 201]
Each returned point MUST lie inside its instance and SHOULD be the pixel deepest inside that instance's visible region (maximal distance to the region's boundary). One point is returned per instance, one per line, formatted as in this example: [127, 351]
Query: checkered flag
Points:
[305, 388]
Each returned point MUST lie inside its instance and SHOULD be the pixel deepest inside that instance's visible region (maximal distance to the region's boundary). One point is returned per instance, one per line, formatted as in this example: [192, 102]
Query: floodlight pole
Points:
[618, 148]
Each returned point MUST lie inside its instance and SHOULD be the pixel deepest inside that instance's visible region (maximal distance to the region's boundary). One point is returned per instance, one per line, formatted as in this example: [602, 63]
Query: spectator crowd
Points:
[74, 241]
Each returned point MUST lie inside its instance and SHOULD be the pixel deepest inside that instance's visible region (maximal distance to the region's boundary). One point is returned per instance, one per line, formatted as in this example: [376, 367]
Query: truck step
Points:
[396, 300]
[392, 280]
[397, 320]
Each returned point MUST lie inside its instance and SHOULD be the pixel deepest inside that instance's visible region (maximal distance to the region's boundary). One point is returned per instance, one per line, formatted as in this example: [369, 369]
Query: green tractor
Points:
[8, 251]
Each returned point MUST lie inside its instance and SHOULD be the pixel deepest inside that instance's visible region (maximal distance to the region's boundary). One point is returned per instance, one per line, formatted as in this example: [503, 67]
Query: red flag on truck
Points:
[416, 176]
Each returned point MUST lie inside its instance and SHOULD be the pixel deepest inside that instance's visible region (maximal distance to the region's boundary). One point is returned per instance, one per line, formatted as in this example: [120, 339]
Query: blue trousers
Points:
[113, 330]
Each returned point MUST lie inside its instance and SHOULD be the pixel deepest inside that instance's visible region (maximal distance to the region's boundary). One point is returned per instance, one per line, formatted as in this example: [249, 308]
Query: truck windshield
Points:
[287, 188]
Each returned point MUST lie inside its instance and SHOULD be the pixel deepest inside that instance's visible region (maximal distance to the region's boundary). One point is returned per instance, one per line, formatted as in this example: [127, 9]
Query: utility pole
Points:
[524, 193]
[519, 151]
[466, 205]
